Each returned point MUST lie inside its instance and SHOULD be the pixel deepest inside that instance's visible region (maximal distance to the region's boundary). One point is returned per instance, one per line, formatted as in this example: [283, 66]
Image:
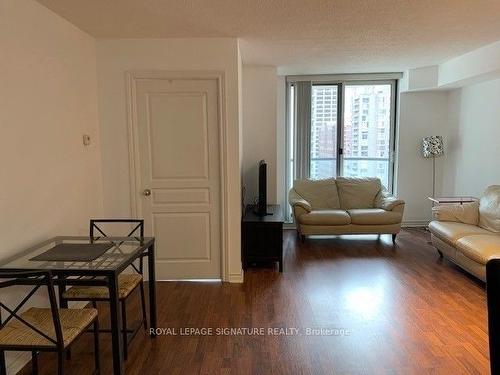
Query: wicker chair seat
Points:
[126, 284]
[73, 322]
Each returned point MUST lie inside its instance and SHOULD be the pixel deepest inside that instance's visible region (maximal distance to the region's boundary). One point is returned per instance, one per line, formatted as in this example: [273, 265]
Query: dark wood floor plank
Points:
[406, 312]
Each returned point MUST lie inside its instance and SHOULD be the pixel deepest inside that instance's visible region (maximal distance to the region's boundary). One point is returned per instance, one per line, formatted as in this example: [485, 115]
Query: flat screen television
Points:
[261, 207]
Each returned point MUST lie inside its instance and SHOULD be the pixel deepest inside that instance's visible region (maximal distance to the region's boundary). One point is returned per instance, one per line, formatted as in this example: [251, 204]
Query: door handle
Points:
[146, 192]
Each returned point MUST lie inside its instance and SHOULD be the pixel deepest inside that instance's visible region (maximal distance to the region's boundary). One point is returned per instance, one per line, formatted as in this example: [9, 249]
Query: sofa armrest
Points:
[389, 202]
[296, 200]
[467, 213]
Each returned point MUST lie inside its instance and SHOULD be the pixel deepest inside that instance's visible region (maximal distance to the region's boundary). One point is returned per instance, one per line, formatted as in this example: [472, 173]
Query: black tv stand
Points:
[256, 212]
[262, 236]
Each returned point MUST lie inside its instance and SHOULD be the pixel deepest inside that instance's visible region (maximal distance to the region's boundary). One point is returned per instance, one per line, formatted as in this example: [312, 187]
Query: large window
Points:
[340, 128]
[367, 132]
[324, 127]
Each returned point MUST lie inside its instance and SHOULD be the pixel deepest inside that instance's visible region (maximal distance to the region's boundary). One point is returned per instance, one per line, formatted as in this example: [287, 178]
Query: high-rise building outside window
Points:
[350, 131]
[374, 136]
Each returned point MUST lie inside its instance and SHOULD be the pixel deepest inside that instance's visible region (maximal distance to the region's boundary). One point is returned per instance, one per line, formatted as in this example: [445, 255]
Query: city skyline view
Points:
[366, 133]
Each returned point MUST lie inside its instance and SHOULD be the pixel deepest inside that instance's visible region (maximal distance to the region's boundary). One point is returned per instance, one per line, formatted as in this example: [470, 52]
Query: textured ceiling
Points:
[326, 35]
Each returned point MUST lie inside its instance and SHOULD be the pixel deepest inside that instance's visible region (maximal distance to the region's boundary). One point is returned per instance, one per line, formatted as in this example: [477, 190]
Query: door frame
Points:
[132, 77]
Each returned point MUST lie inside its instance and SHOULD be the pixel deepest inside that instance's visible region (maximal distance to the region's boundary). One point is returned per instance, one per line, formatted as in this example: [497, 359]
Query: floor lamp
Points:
[431, 147]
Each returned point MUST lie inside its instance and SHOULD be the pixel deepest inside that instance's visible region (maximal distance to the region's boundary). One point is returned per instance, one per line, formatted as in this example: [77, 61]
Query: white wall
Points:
[473, 156]
[118, 56]
[259, 86]
[421, 78]
[50, 183]
[421, 114]
[471, 68]
[476, 66]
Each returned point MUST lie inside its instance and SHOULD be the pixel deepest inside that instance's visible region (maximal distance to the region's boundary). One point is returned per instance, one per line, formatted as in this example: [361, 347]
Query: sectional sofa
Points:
[469, 234]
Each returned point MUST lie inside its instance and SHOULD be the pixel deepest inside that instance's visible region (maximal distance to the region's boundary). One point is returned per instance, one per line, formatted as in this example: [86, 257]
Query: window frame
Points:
[342, 81]
[392, 125]
[340, 118]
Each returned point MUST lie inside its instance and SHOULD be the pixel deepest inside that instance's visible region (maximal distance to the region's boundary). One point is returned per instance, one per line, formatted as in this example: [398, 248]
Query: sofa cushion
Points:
[467, 213]
[358, 192]
[325, 217]
[320, 194]
[374, 216]
[480, 248]
[489, 209]
[450, 232]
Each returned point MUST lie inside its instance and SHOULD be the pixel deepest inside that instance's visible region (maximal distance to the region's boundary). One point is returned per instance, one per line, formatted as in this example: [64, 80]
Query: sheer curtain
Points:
[302, 132]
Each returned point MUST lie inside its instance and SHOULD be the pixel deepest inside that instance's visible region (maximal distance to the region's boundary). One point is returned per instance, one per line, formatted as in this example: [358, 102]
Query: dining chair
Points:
[493, 304]
[42, 329]
[127, 282]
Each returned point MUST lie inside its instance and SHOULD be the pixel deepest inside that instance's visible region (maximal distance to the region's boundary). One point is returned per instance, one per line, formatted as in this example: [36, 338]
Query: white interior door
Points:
[178, 139]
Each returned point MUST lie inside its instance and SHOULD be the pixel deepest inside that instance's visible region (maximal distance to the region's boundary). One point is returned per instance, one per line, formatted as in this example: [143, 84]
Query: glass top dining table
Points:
[117, 253]
[121, 253]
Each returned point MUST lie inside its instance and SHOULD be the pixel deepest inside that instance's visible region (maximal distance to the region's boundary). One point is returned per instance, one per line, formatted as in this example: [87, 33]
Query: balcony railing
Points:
[352, 158]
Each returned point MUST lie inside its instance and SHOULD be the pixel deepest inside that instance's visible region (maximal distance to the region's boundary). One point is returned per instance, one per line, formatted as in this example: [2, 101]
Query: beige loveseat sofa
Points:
[344, 206]
[469, 234]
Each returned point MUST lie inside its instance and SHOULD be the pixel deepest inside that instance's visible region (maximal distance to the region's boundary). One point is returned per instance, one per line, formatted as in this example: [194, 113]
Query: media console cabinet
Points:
[262, 236]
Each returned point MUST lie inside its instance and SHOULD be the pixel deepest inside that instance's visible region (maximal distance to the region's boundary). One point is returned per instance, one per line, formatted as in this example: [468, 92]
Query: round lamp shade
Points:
[432, 146]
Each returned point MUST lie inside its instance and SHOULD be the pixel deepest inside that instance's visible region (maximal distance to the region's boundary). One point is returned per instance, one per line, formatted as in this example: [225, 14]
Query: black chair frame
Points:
[127, 333]
[38, 279]
[493, 302]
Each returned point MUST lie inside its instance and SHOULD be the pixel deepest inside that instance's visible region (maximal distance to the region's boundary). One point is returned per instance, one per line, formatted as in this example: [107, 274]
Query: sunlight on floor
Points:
[367, 302]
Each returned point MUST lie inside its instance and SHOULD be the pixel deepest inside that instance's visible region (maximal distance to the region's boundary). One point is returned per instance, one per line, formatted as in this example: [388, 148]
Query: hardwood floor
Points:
[403, 309]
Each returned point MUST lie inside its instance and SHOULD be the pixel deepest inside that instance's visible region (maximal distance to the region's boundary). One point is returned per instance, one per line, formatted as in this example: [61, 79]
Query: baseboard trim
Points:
[415, 223]
[236, 278]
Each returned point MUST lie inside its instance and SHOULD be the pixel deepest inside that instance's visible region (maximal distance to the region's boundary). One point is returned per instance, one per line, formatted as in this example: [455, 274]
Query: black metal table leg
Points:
[63, 303]
[61, 288]
[116, 323]
[34, 362]
[97, 352]
[3, 365]
[152, 290]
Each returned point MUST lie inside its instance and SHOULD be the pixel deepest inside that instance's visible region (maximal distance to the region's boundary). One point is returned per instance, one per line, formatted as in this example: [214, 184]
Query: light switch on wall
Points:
[86, 140]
